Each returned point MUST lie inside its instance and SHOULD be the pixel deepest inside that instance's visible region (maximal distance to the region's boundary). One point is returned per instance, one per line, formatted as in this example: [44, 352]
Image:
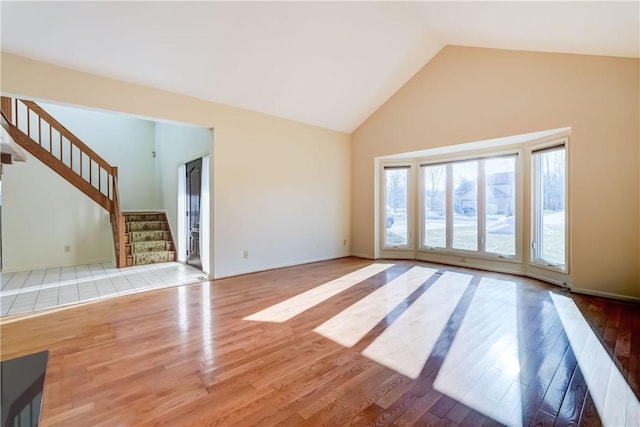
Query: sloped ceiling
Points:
[329, 64]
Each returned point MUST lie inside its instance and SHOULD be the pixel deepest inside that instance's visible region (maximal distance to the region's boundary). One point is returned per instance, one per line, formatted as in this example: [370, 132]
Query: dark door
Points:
[194, 173]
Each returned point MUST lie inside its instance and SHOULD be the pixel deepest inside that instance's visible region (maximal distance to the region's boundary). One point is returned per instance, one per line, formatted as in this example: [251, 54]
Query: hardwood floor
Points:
[429, 345]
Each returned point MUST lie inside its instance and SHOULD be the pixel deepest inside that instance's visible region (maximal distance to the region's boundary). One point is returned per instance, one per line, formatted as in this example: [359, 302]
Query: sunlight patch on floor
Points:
[486, 347]
[614, 400]
[352, 324]
[291, 307]
[406, 345]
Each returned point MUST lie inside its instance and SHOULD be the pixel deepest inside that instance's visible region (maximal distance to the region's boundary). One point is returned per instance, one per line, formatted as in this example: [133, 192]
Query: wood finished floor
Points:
[185, 356]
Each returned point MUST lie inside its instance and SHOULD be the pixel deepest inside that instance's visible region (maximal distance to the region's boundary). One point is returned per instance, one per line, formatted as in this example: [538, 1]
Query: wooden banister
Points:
[67, 134]
[60, 168]
[5, 107]
[92, 187]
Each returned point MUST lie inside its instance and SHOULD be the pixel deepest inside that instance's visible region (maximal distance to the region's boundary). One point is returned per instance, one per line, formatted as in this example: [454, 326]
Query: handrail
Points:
[38, 126]
[99, 182]
[66, 133]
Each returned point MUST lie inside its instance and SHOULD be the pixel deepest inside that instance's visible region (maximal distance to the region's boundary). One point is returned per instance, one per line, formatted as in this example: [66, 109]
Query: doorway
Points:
[193, 192]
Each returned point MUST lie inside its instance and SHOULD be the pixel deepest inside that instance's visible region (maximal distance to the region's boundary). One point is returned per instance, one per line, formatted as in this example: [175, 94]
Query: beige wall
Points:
[281, 189]
[471, 94]
[37, 223]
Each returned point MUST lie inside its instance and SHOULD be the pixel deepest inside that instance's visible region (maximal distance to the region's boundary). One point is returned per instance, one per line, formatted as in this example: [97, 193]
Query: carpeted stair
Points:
[148, 238]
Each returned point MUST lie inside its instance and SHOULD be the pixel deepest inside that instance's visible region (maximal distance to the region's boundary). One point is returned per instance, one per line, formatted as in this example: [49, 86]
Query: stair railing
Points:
[53, 144]
[117, 223]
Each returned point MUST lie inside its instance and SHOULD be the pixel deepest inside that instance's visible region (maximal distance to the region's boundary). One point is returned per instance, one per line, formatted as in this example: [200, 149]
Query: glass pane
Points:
[500, 206]
[551, 165]
[434, 184]
[35, 407]
[465, 203]
[396, 229]
[25, 416]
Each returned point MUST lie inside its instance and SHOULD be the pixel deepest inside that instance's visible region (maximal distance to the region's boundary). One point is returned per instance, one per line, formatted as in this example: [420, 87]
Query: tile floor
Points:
[28, 291]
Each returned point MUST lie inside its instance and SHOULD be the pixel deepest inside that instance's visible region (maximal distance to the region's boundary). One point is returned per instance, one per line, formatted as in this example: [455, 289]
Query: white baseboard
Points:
[277, 266]
[45, 266]
[364, 256]
[605, 294]
[546, 279]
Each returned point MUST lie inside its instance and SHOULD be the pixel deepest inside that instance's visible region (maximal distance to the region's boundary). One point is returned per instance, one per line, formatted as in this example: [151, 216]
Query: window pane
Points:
[434, 183]
[465, 203]
[551, 233]
[500, 206]
[396, 229]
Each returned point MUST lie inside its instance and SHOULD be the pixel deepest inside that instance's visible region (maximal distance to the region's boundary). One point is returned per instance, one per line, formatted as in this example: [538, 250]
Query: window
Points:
[434, 210]
[500, 205]
[396, 194]
[465, 205]
[470, 205]
[549, 204]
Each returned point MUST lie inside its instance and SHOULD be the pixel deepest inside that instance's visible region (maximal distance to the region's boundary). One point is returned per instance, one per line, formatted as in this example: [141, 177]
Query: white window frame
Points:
[535, 206]
[410, 166]
[480, 207]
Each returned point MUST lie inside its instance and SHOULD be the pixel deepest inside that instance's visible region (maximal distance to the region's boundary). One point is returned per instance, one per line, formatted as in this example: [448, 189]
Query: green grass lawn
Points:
[464, 237]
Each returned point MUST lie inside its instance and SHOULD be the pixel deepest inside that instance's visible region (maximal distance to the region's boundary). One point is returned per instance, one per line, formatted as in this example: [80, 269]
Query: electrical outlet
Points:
[246, 254]
[67, 248]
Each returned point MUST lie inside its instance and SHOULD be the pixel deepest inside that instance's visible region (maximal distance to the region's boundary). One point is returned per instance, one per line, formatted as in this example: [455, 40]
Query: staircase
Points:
[138, 238]
[148, 238]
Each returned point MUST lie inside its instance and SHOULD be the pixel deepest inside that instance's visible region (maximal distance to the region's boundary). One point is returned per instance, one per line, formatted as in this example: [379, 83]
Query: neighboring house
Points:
[499, 195]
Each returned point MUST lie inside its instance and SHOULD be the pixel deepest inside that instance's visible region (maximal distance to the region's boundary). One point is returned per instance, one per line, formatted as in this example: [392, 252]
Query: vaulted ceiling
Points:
[330, 64]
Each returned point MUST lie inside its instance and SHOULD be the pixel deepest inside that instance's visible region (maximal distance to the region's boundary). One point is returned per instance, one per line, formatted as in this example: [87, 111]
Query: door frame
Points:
[205, 247]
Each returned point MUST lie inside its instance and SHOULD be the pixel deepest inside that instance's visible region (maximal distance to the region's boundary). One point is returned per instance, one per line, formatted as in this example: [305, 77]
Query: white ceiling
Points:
[329, 64]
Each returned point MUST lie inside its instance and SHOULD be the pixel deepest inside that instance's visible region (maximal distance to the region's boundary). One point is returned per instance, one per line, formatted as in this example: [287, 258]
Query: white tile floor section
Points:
[27, 291]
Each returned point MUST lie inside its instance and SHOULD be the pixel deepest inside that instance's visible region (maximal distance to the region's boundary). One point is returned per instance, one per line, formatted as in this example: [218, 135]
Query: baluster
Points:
[28, 122]
[50, 139]
[99, 178]
[61, 147]
[90, 171]
[71, 153]
[81, 164]
[40, 130]
[16, 115]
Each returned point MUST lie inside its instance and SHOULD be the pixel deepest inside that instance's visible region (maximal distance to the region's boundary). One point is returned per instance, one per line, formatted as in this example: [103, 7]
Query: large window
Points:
[396, 202]
[470, 205]
[466, 205]
[549, 204]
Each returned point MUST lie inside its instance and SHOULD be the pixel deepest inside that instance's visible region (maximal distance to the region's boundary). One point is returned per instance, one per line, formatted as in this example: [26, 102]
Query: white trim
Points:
[470, 263]
[548, 280]
[540, 145]
[205, 215]
[605, 294]
[47, 266]
[181, 238]
[410, 207]
[277, 266]
[363, 256]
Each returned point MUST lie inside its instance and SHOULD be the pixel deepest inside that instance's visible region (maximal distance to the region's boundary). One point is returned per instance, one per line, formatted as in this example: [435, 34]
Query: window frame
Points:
[409, 166]
[535, 229]
[480, 207]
